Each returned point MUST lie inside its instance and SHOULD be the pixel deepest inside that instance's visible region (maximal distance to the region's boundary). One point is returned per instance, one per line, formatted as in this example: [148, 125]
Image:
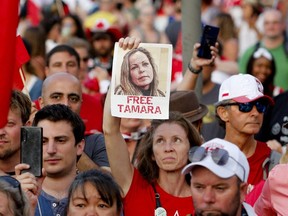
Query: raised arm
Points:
[117, 151]
[30, 185]
[190, 78]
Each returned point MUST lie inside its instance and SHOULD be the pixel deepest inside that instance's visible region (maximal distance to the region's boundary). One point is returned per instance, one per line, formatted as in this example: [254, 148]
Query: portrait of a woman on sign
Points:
[139, 74]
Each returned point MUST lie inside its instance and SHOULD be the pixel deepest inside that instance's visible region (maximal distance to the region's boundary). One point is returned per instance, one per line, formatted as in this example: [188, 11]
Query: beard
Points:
[103, 52]
[7, 153]
[232, 211]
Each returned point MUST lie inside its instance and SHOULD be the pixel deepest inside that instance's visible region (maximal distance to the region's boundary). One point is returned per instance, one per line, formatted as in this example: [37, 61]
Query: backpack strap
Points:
[270, 162]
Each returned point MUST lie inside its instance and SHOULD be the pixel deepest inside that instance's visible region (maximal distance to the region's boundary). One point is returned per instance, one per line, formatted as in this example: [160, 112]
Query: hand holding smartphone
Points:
[208, 39]
[31, 149]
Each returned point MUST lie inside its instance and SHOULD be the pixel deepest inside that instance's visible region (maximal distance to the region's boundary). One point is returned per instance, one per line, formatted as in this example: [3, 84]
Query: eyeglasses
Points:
[261, 106]
[219, 156]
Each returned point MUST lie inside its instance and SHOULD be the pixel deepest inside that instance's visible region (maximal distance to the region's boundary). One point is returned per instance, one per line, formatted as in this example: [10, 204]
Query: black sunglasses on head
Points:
[218, 155]
[261, 106]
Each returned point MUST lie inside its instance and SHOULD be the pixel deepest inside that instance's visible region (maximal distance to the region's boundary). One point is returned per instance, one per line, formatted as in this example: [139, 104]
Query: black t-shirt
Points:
[275, 123]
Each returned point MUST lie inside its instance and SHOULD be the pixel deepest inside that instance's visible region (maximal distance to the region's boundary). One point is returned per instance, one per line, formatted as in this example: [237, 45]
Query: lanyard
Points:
[159, 210]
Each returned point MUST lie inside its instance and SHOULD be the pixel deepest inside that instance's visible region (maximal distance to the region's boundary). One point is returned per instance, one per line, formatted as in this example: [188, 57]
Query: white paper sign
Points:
[141, 81]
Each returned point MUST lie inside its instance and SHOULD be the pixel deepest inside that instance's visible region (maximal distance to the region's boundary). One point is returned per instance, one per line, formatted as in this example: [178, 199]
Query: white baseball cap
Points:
[242, 88]
[237, 163]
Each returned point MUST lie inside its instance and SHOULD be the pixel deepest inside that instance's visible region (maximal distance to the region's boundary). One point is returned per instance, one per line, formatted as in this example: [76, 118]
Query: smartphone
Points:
[208, 39]
[31, 149]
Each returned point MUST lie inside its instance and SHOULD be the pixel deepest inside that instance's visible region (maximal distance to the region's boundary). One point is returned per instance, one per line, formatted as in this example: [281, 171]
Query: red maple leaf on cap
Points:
[100, 25]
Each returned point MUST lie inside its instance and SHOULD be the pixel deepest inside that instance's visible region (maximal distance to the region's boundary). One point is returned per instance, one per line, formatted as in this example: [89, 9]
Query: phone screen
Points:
[208, 39]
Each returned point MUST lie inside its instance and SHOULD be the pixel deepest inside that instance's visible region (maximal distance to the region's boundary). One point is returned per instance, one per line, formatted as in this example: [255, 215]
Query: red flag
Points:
[22, 57]
[33, 12]
[8, 24]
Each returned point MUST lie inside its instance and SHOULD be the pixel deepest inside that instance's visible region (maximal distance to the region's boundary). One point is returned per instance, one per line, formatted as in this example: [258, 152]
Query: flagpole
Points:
[60, 8]
[25, 89]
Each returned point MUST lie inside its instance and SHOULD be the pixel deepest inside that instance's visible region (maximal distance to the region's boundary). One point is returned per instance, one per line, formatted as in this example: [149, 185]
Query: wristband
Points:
[193, 70]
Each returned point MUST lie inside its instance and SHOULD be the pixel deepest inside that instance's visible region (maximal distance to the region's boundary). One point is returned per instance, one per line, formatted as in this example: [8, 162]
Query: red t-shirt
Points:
[262, 152]
[92, 112]
[140, 199]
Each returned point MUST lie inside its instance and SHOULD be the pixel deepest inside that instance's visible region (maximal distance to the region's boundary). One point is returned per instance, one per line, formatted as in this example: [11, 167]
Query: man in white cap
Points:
[240, 108]
[219, 173]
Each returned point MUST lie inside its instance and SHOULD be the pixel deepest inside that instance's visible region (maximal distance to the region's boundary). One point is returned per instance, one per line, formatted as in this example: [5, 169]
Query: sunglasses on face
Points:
[219, 156]
[261, 106]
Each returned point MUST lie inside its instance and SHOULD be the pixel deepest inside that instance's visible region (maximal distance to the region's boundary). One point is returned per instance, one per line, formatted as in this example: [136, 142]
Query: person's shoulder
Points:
[138, 181]
[282, 96]
[279, 170]
[278, 177]
[94, 138]
[250, 50]
[216, 86]
[263, 147]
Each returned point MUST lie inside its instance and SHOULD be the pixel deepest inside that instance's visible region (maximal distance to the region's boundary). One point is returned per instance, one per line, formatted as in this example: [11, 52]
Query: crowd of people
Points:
[222, 151]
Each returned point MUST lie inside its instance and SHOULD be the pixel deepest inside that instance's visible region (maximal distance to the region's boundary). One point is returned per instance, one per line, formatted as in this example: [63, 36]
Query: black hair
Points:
[268, 83]
[107, 188]
[48, 22]
[79, 32]
[63, 48]
[60, 112]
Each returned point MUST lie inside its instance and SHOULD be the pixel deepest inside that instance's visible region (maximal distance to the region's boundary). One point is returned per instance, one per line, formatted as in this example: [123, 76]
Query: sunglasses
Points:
[261, 106]
[219, 156]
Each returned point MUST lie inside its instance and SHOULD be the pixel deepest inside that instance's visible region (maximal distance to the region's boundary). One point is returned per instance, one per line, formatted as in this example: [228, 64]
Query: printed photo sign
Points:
[141, 81]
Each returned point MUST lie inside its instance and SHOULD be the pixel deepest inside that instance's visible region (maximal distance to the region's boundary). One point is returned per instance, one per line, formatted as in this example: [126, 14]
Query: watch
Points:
[193, 70]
